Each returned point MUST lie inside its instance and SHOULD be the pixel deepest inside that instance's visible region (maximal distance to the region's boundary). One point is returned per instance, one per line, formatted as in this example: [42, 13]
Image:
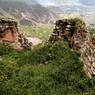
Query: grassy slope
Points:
[50, 69]
[43, 32]
[45, 70]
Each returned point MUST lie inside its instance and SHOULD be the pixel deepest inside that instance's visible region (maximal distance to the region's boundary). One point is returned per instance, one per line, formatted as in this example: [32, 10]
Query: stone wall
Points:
[71, 30]
[74, 32]
[87, 51]
[10, 35]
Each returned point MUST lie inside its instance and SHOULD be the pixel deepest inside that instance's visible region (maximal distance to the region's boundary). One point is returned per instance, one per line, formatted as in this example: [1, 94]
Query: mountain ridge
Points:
[34, 12]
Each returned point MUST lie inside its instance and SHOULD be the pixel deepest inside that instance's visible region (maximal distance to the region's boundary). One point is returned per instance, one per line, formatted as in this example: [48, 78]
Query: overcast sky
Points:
[67, 2]
[59, 2]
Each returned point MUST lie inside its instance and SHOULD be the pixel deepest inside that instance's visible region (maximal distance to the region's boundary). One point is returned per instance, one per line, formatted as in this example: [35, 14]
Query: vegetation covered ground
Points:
[50, 69]
[47, 69]
[42, 31]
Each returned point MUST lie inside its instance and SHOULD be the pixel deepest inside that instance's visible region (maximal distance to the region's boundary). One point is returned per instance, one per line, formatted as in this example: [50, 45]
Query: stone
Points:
[93, 64]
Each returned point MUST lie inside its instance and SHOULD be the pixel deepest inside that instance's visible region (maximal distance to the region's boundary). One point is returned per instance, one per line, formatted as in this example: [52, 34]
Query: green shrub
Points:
[52, 69]
[5, 49]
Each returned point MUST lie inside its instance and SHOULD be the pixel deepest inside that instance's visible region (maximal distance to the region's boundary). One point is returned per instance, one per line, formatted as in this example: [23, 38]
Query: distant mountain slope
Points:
[4, 13]
[33, 12]
[55, 9]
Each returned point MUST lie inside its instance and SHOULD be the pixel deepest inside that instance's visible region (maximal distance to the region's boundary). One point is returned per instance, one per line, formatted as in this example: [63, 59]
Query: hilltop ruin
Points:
[10, 35]
[75, 33]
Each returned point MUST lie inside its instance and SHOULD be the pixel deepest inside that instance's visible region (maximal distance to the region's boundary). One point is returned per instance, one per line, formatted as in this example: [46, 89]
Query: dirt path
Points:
[34, 40]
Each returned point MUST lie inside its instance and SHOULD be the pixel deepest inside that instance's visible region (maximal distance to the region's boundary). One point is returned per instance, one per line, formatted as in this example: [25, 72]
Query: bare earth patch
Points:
[34, 40]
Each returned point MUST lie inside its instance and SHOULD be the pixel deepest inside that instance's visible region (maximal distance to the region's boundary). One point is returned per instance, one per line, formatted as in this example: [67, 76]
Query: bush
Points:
[5, 49]
[53, 69]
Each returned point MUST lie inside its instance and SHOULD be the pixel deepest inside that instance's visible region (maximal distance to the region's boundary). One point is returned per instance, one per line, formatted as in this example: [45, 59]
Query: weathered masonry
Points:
[10, 35]
[74, 32]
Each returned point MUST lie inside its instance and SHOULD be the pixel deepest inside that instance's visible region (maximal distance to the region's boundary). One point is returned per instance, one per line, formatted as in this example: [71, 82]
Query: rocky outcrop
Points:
[10, 35]
[74, 32]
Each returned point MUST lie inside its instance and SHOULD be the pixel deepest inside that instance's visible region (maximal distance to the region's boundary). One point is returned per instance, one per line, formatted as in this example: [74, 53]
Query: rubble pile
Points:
[10, 35]
[74, 32]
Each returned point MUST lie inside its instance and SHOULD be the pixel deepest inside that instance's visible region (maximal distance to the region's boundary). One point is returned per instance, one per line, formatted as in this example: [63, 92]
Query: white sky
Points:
[46, 2]
[59, 2]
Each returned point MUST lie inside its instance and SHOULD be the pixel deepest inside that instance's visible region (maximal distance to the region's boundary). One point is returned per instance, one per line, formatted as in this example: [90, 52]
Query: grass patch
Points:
[51, 69]
[43, 32]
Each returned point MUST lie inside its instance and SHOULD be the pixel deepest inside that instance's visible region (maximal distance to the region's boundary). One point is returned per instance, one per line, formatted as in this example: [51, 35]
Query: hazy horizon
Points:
[58, 2]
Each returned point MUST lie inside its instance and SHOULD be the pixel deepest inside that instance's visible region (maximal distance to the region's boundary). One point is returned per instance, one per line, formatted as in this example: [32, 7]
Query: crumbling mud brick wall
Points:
[10, 35]
[74, 32]
[87, 51]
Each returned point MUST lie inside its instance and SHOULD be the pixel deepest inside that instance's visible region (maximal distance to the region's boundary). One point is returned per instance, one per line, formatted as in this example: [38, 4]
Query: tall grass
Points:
[51, 69]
